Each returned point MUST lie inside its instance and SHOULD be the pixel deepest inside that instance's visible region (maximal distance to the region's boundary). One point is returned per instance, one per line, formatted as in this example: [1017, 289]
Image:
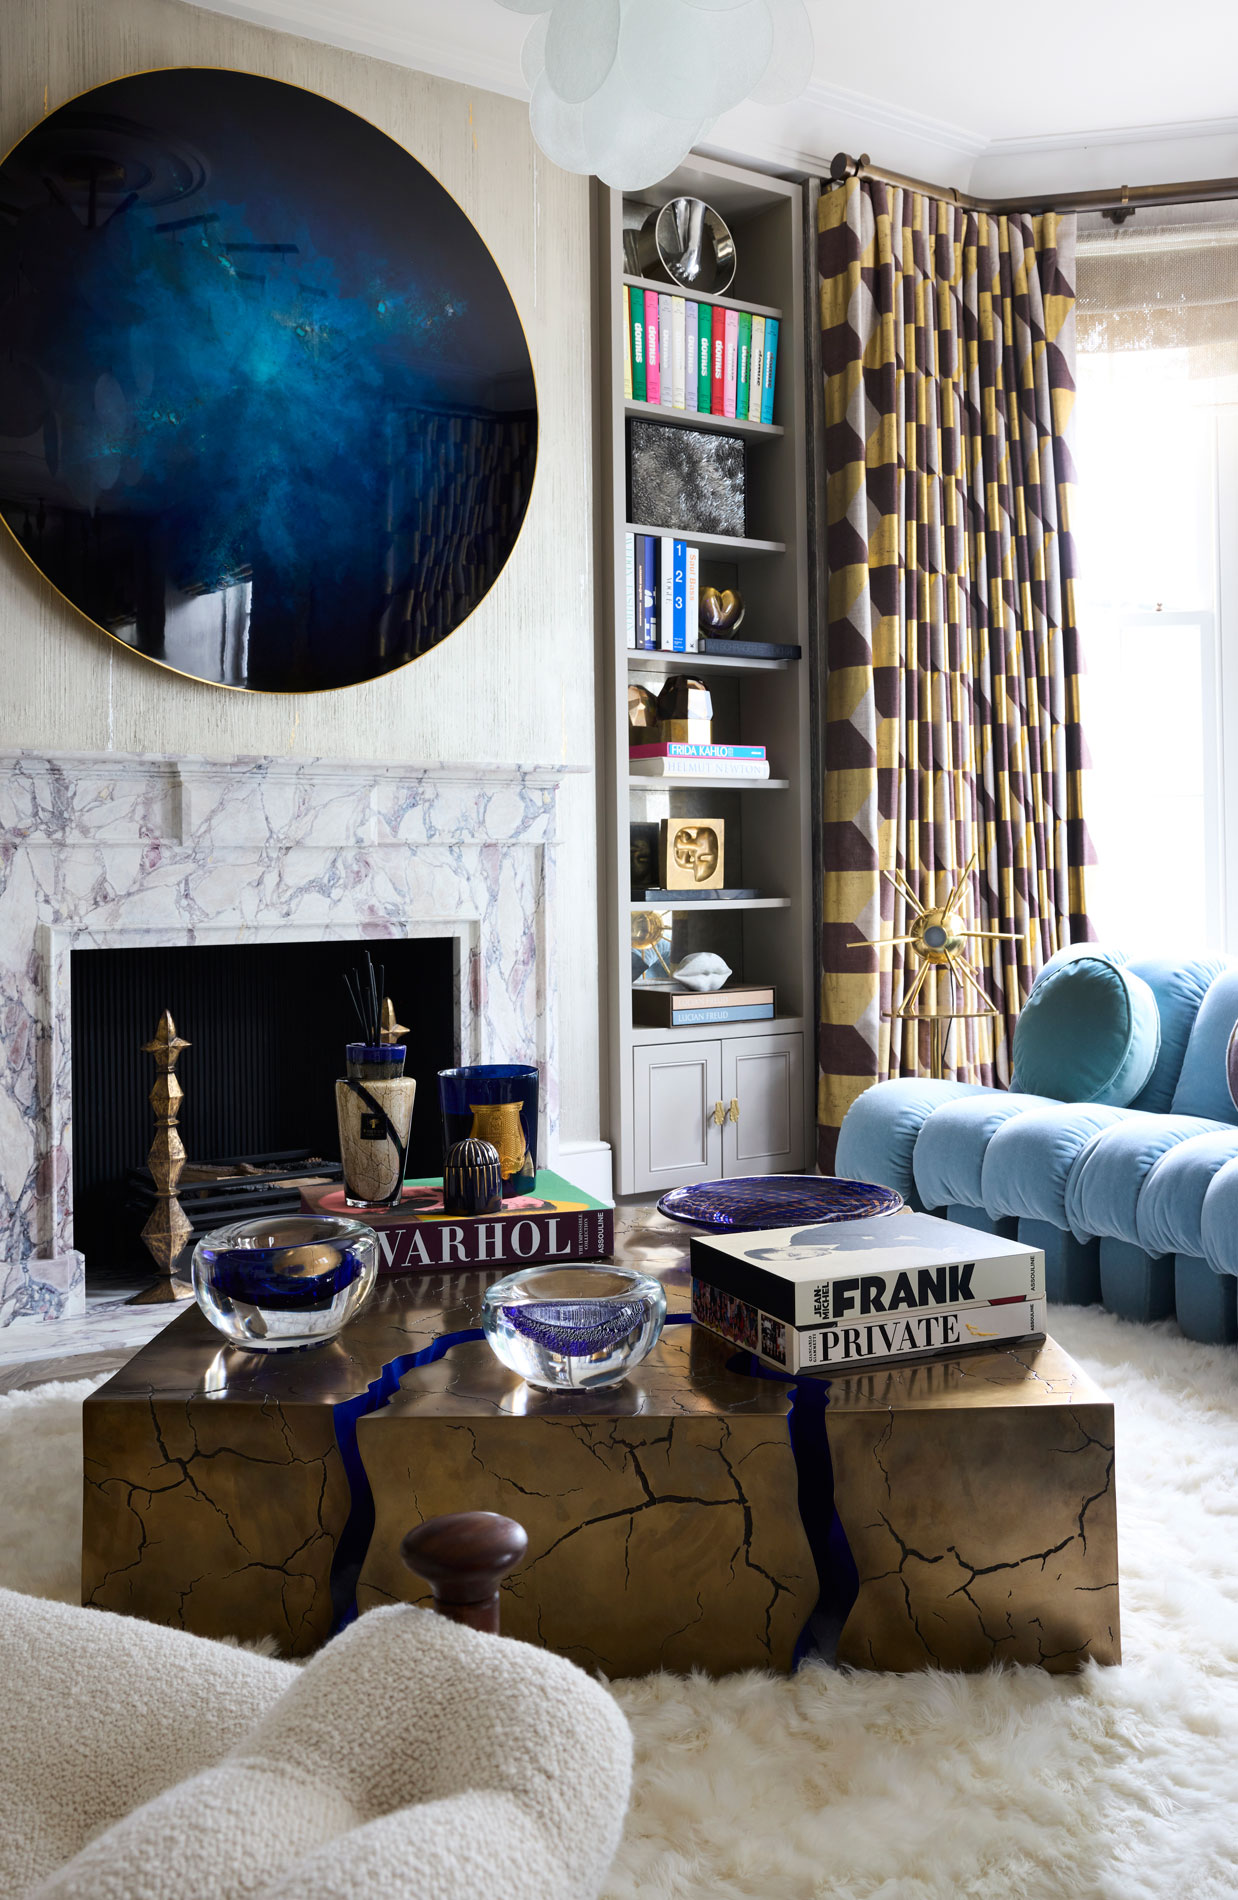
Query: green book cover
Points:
[637, 307]
[744, 370]
[704, 355]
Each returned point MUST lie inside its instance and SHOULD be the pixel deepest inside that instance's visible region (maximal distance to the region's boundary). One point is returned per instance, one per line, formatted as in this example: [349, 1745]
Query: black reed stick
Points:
[365, 992]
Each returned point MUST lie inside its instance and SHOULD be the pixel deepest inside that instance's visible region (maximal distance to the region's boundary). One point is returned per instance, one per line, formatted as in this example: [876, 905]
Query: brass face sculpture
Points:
[692, 854]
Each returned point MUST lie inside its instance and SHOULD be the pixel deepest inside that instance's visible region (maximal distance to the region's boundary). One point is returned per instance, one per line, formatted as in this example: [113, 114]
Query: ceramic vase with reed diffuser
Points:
[374, 1098]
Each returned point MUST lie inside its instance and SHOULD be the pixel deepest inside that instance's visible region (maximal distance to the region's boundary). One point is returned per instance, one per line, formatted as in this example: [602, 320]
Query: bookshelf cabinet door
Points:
[677, 1137]
[764, 1077]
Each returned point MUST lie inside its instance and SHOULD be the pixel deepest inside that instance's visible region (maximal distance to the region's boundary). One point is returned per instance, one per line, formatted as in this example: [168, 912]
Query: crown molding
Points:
[840, 100]
[446, 55]
[1158, 134]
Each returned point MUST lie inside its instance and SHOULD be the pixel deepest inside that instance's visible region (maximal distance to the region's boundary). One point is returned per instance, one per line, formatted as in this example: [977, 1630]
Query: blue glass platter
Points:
[777, 1200]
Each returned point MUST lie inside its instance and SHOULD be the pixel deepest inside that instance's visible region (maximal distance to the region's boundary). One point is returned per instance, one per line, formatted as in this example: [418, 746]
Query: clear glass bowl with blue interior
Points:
[275, 1285]
[573, 1328]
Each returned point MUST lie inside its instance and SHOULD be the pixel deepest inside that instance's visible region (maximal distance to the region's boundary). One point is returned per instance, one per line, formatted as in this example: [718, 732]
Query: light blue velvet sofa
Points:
[1133, 1199]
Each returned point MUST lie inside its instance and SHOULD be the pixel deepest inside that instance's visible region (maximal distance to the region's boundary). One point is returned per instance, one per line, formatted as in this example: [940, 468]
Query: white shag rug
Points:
[1118, 1784]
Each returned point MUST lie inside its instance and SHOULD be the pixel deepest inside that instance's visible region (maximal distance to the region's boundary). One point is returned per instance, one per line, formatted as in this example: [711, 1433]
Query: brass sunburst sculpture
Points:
[937, 935]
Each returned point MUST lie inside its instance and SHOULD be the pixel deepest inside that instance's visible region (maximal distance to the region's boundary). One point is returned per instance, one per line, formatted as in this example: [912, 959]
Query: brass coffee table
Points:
[958, 1513]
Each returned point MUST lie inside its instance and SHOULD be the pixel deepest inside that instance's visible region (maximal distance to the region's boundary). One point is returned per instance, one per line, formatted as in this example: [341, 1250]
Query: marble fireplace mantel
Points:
[107, 850]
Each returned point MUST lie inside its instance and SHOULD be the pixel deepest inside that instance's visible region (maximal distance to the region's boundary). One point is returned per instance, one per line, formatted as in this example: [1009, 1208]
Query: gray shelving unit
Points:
[666, 1087]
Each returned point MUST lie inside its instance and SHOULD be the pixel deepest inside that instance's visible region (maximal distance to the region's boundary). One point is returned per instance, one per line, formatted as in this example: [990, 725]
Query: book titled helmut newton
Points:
[854, 1292]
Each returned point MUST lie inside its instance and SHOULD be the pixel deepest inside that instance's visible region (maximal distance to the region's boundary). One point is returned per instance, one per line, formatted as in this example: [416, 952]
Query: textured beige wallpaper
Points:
[516, 682]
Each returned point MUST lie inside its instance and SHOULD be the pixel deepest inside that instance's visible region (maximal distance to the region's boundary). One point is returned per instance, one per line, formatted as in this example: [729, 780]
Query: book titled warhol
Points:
[556, 1222]
[862, 1270]
[912, 1336]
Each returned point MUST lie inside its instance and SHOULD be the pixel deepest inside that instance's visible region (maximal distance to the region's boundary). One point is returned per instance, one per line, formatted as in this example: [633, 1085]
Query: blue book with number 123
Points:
[679, 595]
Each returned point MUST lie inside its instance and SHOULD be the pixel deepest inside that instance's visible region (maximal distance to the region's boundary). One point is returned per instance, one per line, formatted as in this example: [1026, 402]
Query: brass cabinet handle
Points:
[719, 1115]
[733, 1111]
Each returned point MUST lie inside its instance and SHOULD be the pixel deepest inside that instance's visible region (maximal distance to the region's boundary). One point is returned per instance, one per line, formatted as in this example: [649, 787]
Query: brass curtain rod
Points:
[1123, 199]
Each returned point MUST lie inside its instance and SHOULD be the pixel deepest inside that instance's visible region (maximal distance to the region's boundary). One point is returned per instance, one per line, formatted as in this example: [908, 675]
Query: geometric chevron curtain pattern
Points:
[951, 658]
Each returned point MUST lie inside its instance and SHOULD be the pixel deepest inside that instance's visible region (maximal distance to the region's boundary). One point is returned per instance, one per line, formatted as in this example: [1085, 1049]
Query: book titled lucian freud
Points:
[868, 1270]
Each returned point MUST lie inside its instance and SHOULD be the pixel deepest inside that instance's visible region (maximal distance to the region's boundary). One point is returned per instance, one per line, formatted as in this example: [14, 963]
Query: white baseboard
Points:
[587, 1165]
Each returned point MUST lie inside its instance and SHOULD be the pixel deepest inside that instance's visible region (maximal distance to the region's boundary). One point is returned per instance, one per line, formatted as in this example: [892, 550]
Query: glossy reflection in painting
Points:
[266, 408]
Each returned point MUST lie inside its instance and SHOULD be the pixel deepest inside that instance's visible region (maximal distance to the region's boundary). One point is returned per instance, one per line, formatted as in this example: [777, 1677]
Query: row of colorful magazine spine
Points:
[698, 357]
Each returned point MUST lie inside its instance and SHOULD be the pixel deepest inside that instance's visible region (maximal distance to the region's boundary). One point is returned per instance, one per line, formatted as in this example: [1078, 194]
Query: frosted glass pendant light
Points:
[626, 88]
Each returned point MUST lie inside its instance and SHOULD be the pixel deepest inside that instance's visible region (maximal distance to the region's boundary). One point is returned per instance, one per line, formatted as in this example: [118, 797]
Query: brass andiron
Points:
[168, 1228]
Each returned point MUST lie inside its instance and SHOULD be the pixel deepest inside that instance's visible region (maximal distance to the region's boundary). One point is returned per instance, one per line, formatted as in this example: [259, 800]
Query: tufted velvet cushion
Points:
[1089, 1032]
[1203, 1086]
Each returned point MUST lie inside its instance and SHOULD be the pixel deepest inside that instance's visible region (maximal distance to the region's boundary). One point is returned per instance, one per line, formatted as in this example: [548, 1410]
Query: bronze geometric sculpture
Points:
[937, 936]
[168, 1228]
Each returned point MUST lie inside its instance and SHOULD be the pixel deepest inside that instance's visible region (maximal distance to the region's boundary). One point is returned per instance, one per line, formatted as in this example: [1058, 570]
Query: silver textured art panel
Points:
[690, 479]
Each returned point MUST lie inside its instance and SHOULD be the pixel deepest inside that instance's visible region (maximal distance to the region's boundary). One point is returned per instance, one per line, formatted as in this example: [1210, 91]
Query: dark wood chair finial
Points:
[464, 1557]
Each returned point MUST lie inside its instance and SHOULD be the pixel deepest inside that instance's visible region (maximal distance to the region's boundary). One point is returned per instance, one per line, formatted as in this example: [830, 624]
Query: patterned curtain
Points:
[951, 660]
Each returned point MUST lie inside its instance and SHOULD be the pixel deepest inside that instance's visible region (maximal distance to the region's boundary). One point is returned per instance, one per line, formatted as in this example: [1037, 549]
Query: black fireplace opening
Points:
[266, 1025]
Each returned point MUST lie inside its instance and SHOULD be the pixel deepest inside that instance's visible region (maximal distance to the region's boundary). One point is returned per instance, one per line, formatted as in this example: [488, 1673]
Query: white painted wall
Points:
[516, 682]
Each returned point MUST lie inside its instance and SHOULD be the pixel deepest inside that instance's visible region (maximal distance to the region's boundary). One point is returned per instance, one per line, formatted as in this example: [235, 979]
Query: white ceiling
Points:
[1001, 97]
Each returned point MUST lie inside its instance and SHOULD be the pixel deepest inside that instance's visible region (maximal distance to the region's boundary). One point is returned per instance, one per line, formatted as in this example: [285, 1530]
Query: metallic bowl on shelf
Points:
[687, 243]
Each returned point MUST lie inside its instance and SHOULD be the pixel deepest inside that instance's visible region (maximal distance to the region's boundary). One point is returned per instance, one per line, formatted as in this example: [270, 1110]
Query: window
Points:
[1156, 517]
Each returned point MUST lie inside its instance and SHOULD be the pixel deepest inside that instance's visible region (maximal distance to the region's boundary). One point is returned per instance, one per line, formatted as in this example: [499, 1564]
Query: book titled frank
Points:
[556, 1222]
[867, 1270]
[920, 1335]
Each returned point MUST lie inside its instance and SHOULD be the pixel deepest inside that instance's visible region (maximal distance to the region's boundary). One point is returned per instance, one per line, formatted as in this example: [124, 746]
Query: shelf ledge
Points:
[707, 783]
[697, 419]
[725, 547]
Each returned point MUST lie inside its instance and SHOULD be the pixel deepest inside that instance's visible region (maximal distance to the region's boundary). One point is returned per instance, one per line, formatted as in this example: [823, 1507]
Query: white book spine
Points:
[756, 372]
[666, 593]
[691, 346]
[666, 390]
[794, 1349]
[678, 347]
[629, 589]
[699, 768]
[692, 605]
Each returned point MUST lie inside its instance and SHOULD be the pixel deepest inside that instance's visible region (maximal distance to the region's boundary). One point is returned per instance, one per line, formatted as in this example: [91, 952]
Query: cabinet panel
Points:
[764, 1075]
[677, 1139]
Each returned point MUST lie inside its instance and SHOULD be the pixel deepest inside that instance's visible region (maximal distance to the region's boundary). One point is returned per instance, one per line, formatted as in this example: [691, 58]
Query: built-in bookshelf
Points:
[734, 1097]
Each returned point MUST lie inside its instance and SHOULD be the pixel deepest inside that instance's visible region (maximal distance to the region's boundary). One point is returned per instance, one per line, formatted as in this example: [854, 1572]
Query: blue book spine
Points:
[647, 553]
[679, 593]
[772, 327]
[735, 1013]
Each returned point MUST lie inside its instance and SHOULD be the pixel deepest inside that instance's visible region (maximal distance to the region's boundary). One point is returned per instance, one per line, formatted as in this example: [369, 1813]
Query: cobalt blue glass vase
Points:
[274, 1285]
[494, 1102]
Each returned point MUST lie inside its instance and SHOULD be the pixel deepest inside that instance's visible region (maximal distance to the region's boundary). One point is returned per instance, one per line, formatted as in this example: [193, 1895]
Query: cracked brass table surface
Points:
[672, 1520]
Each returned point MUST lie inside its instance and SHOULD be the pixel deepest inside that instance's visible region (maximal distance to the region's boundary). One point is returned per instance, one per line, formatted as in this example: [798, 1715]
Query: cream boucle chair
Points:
[413, 1757]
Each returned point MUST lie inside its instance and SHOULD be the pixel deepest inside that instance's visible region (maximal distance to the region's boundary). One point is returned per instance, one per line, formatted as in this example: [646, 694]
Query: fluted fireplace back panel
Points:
[266, 1025]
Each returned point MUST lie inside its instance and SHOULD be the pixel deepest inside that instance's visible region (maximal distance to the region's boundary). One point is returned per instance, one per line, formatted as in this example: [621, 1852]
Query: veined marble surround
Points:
[114, 851]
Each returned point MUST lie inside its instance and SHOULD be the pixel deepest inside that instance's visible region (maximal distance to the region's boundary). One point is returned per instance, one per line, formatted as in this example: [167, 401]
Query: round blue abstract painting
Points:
[267, 412]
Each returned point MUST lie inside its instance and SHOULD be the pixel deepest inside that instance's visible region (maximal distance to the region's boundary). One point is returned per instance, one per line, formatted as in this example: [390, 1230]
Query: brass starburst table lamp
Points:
[937, 935]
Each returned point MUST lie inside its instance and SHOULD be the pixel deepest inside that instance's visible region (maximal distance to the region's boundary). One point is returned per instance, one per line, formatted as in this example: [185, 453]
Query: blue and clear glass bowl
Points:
[275, 1285]
[573, 1328]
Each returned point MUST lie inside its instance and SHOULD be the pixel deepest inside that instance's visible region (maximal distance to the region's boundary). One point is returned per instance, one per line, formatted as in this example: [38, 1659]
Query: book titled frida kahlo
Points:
[556, 1222]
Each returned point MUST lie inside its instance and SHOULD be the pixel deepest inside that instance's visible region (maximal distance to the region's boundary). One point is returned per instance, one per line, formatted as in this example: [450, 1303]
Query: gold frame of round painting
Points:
[289, 692]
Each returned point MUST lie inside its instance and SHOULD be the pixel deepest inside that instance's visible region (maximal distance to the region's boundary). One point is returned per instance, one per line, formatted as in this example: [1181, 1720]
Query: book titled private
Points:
[861, 1270]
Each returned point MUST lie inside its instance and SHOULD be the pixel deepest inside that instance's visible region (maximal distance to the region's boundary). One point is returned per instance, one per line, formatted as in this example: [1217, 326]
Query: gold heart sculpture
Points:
[720, 611]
